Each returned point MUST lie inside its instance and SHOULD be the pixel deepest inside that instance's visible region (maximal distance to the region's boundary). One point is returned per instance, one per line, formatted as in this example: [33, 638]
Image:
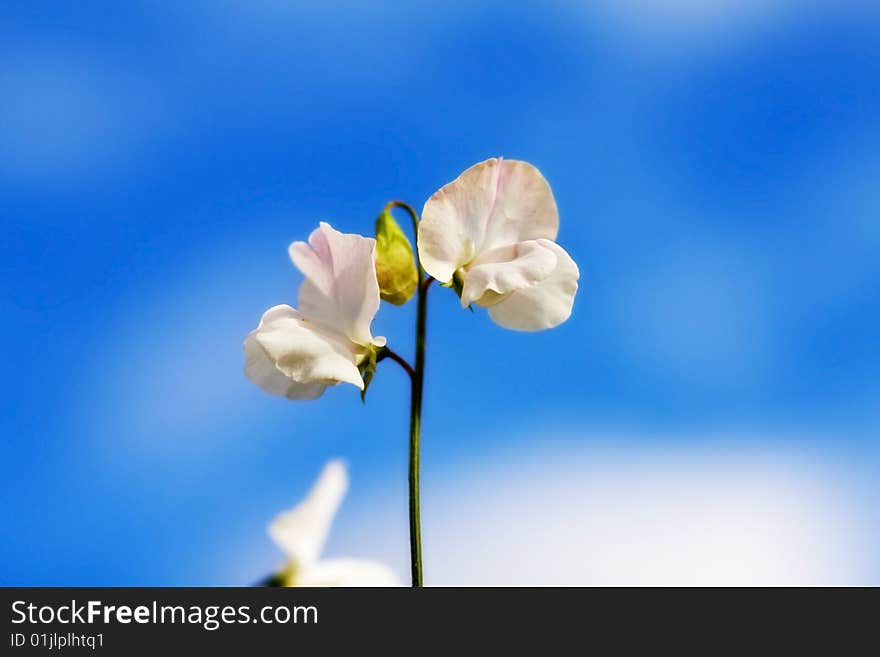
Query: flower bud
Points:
[395, 265]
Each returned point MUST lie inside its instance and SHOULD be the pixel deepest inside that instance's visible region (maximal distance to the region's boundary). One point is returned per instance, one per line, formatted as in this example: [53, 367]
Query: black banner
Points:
[171, 620]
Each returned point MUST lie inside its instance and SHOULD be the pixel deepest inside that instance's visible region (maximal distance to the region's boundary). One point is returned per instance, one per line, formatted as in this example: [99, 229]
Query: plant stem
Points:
[415, 423]
[415, 221]
[415, 408]
[400, 360]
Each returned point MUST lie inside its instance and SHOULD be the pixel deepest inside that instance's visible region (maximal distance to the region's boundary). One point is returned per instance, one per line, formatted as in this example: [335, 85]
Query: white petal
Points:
[524, 207]
[302, 531]
[454, 220]
[301, 351]
[260, 369]
[493, 203]
[544, 305]
[504, 270]
[347, 572]
[340, 290]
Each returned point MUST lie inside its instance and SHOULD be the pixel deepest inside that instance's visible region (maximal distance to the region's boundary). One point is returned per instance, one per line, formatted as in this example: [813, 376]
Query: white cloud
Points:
[635, 514]
[686, 27]
[681, 15]
[684, 24]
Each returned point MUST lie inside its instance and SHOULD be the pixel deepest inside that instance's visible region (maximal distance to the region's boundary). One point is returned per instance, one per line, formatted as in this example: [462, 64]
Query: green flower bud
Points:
[395, 264]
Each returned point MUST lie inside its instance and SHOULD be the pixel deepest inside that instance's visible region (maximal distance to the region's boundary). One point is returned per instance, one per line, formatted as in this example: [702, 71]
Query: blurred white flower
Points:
[490, 233]
[302, 531]
[297, 353]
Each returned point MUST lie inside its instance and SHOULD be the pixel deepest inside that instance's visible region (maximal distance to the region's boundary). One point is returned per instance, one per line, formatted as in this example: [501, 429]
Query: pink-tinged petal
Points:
[454, 220]
[544, 305]
[300, 350]
[492, 204]
[302, 531]
[340, 290]
[524, 208]
[504, 270]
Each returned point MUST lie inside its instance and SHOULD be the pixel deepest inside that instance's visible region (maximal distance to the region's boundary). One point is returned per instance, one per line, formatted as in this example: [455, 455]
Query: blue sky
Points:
[715, 166]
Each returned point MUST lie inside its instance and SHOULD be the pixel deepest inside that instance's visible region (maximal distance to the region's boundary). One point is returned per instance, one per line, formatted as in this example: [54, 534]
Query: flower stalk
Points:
[417, 379]
[415, 423]
[490, 235]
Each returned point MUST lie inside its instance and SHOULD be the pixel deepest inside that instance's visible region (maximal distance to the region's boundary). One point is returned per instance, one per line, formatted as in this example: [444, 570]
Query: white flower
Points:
[302, 531]
[297, 353]
[490, 232]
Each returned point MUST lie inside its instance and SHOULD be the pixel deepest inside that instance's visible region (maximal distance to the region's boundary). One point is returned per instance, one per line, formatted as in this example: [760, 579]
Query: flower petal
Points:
[302, 531]
[347, 572]
[524, 207]
[340, 290]
[494, 203]
[544, 305]
[260, 369]
[301, 351]
[504, 270]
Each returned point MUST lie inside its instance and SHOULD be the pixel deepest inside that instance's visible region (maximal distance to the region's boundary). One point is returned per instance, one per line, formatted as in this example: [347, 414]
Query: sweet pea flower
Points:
[490, 234]
[298, 353]
[302, 531]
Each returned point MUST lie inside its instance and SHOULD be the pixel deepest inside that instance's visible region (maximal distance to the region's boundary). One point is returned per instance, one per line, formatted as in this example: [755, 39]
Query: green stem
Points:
[415, 408]
[386, 352]
[415, 422]
[415, 222]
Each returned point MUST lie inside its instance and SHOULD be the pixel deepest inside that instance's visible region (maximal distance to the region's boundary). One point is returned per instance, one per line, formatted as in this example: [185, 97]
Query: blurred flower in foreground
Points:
[490, 234]
[302, 531]
[297, 353]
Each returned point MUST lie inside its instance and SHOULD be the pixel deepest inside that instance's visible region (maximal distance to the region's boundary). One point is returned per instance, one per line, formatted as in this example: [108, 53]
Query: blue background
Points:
[716, 167]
